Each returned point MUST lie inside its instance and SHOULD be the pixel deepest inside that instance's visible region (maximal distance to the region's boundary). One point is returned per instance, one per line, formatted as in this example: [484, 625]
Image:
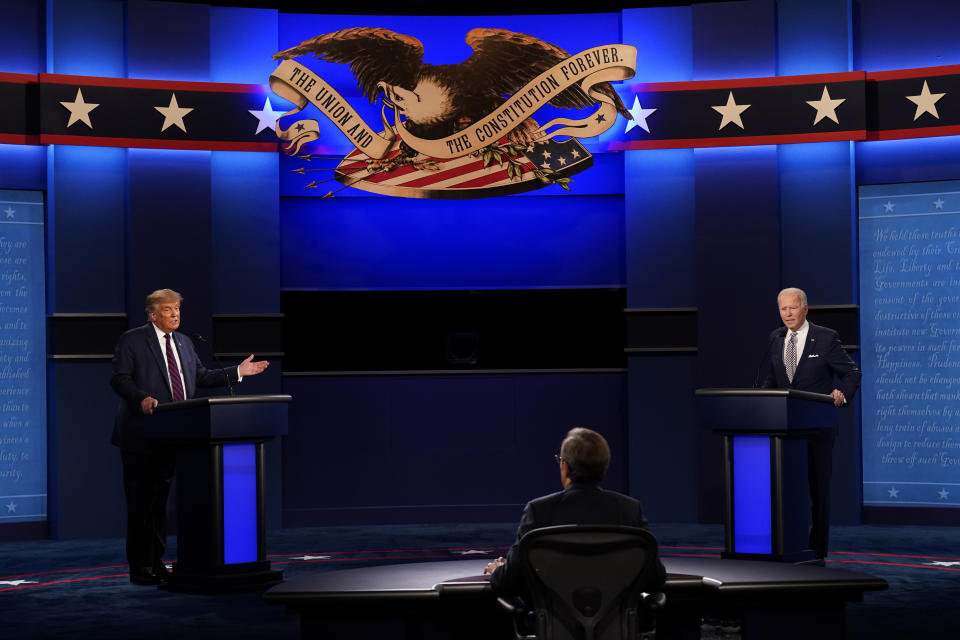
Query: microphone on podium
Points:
[226, 374]
[779, 333]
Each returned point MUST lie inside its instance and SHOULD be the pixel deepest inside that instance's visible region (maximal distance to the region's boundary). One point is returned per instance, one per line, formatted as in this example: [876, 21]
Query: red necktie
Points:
[176, 383]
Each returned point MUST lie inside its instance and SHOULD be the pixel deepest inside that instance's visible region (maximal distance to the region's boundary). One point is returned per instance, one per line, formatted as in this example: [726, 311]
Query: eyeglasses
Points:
[558, 458]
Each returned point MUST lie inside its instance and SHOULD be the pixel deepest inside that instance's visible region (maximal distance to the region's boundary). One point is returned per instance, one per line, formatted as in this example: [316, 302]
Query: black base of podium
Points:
[252, 576]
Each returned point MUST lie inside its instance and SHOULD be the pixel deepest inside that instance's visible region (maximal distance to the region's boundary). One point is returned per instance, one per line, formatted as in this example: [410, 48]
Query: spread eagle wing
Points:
[504, 61]
[374, 55]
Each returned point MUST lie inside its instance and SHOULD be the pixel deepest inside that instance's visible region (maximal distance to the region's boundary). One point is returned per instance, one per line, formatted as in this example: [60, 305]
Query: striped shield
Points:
[502, 169]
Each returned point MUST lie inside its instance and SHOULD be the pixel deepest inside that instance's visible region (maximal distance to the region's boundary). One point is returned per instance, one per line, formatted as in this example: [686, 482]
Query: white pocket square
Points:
[814, 355]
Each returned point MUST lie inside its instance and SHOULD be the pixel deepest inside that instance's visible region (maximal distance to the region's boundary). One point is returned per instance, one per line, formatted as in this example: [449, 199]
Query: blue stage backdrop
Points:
[910, 332]
[23, 405]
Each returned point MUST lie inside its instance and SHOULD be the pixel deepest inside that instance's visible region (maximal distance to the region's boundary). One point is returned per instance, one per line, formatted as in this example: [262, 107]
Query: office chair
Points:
[587, 583]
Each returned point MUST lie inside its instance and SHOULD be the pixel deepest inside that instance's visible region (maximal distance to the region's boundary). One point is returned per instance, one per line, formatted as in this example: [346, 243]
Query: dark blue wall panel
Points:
[664, 41]
[738, 258]
[169, 232]
[86, 489]
[88, 197]
[663, 435]
[22, 167]
[891, 35]
[823, 217]
[168, 40]
[22, 37]
[660, 227]
[88, 38]
[242, 42]
[813, 36]
[734, 40]
[419, 449]
[245, 242]
[916, 160]
[436, 244]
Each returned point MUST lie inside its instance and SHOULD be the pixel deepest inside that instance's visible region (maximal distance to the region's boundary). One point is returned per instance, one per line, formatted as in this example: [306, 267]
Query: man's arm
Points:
[656, 573]
[845, 369]
[122, 381]
[218, 377]
[507, 576]
[766, 373]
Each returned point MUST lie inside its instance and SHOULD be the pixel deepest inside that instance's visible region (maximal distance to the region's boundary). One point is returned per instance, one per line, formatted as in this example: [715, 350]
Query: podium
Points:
[766, 511]
[220, 471]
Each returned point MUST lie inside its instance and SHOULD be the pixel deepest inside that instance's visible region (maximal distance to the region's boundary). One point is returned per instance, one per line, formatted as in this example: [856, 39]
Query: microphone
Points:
[779, 333]
[226, 374]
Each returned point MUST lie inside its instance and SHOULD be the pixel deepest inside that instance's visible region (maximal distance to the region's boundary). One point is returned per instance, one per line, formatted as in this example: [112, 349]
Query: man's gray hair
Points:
[793, 291]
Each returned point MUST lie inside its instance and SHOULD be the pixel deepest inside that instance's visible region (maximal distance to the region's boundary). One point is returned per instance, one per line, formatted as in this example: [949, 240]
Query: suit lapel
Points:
[781, 365]
[154, 346]
[809, 347]
[187, 367]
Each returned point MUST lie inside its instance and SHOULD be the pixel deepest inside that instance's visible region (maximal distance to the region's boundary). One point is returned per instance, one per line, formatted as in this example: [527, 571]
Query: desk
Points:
[453, 600]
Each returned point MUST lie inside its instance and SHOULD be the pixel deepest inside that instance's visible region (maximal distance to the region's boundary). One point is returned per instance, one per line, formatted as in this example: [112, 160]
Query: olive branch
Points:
[499, 153]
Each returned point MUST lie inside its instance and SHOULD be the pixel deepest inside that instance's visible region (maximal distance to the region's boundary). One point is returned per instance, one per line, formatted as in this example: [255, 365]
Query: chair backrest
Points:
[586, 581]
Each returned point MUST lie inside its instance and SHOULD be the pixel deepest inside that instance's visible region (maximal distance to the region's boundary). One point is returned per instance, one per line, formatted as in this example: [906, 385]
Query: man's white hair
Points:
[793, 291]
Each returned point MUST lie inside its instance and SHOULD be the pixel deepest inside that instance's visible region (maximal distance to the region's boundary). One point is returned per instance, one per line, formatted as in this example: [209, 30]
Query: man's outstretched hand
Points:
[250, 368]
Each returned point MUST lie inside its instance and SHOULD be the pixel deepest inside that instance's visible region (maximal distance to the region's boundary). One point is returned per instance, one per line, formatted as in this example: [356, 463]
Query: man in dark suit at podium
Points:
[154, 364]
[809, 357]
[583, 460]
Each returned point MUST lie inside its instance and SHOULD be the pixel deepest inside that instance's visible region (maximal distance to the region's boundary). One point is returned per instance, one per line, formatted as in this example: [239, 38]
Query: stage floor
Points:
[80, 589]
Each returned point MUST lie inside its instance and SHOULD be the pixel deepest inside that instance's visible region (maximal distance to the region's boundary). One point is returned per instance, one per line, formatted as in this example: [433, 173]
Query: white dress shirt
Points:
[176, 356]
[801, 340]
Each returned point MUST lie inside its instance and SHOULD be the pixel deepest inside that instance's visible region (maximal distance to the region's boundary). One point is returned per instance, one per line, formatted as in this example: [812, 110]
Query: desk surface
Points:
[430, 580]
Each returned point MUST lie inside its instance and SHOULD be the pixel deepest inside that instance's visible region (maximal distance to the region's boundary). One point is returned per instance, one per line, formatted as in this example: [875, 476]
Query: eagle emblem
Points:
[461, 130]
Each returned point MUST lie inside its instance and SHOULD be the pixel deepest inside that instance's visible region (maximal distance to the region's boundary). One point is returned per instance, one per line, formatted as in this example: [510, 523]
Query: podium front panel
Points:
[240, 503]
[752, 514]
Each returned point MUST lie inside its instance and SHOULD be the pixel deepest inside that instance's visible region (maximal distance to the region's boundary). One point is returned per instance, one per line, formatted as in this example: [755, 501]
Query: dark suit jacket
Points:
[822, 360]
[577, 504]
[140, 370]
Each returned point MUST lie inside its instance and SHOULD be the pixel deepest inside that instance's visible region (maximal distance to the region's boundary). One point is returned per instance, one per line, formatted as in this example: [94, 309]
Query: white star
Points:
[562, 161]
[17, 583]
[310, 558]
[893, 492]
[942, 563]
[546, 155]
[472, 552]
[9, 211]
[888, 206]
[938, 203]
[545, 165]
[12, 507]
[79, 110]
[826, 107]
[926, 102]
[266, 117]
[944, 494]
[574, 154]
[173, 114]
[731, 112]
[639, 116]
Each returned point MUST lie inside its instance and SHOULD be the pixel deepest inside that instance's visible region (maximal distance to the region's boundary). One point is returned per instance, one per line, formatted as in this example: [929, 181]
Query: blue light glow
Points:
[752, 515]
[239, 503]
[664, 40]
[404, 243]
[87, 39]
